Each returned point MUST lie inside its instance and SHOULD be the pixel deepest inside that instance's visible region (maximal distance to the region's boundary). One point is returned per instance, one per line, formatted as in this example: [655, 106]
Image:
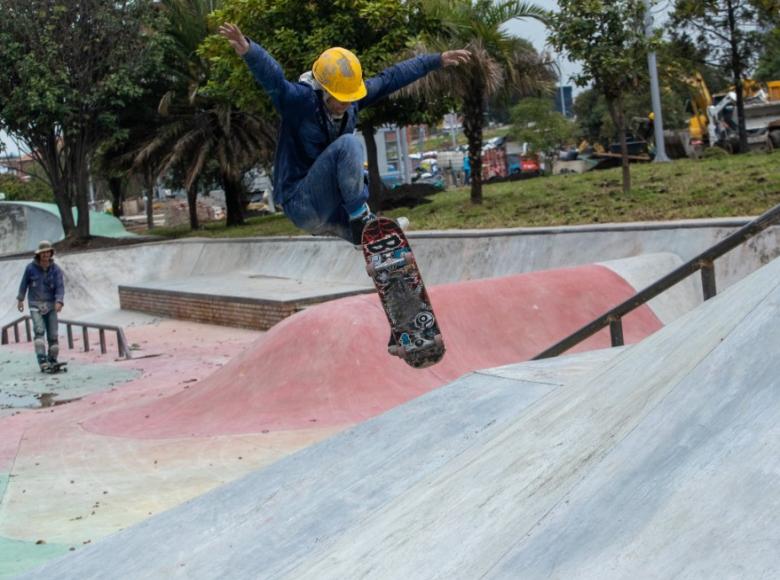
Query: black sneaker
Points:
[356, 226]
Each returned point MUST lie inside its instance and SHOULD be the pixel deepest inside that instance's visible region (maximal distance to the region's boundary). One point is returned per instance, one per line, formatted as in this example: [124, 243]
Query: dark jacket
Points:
[304, 134]
[43, 285]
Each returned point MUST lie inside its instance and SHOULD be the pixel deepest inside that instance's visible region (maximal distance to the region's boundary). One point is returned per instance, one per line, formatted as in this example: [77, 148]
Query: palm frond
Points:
[195, 170]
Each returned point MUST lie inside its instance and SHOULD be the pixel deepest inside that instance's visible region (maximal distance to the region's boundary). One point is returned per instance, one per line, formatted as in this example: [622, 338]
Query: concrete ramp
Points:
[328, 365]
[662, 463]
[23, 225]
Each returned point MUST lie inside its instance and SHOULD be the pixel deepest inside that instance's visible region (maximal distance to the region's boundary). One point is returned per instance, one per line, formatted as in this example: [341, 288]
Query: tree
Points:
[295, 32]
[69, 67]
[194, 126]
[608, 39]
[17, 190]
[732, 31]
[501, 64]
[536, 122]
[190, 137]
[768, 67]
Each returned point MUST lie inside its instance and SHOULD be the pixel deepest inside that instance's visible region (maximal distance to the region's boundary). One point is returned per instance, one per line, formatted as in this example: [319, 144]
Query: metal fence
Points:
[704, 262]
[121, 341]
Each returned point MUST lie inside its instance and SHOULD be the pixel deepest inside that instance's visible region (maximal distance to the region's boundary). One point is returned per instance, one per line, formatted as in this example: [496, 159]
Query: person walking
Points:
[43, 283]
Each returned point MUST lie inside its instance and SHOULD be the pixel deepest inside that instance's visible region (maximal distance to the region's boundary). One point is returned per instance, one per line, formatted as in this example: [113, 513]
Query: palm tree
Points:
[197, 131]
[196, 134]
[501, 65]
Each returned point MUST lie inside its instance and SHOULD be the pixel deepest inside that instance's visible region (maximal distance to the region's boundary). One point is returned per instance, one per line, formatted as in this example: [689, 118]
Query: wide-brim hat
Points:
[44, 246]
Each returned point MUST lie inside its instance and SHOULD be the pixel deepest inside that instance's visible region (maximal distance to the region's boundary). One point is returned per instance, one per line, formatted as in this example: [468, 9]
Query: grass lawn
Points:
[718, 186]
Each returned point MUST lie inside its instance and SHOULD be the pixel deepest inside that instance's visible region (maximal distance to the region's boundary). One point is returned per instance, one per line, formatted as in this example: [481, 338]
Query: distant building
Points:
[568, 102]
[19, 166]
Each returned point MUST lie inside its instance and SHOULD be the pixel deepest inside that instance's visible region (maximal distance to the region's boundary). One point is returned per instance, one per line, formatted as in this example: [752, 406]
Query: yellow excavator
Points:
[714, 120]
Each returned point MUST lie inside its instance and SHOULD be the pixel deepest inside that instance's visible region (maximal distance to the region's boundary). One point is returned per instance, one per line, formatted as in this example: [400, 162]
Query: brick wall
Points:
[256, 314]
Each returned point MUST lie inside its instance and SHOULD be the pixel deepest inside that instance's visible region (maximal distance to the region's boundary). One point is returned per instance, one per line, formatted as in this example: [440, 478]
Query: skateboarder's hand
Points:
[58, 307]
[236, 39]
[455, 57]
[20, 305]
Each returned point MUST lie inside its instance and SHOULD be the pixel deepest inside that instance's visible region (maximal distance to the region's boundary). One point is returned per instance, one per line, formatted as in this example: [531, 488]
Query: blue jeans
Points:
[45, 322]
[332, 189]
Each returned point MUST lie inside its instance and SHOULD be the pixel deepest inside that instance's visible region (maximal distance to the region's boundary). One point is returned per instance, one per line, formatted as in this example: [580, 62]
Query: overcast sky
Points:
[536, 33]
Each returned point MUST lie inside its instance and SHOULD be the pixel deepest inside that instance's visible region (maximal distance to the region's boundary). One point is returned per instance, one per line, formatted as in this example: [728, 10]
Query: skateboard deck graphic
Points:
[415, 334]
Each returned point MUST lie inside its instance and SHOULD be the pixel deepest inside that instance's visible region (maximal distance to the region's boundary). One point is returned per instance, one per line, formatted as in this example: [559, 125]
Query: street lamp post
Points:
[655, 91]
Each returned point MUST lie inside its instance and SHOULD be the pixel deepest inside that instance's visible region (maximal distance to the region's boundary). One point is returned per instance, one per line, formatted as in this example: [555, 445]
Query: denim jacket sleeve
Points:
[269, 74]
[24, 284]
[398, 76]
[59, 286]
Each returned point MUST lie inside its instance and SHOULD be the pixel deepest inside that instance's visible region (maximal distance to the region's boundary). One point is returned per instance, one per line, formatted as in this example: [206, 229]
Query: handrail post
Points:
[16, 331]
[121, 344]
[69, 331]
[616, 330]
[27, 329]
[709, 289]
[85, 336]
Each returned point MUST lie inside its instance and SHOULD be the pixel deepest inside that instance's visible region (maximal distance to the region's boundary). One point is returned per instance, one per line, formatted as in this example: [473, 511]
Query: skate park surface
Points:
[237, 453]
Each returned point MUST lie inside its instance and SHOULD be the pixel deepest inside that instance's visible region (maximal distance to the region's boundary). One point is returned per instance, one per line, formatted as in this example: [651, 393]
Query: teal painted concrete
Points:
[22, 385]
[100, 224]
[18, 556]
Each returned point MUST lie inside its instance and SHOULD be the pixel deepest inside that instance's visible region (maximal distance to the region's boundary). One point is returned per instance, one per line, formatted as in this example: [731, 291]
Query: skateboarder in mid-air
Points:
[318, 170]
[43, 284]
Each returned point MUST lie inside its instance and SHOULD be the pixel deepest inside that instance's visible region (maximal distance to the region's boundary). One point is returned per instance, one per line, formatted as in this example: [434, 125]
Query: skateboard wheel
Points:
[370, 270]
[408, 259]
[438, 340]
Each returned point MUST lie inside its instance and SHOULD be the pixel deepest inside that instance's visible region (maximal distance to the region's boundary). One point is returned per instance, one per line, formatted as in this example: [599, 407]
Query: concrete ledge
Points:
[241, 300]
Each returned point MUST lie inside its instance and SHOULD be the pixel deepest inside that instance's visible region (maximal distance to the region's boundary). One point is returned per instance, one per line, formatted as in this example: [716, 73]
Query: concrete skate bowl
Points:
[24, 224]
[328, 365]
[659, 463]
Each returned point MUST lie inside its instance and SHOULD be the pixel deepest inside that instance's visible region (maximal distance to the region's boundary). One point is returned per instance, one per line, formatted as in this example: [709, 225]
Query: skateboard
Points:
[54, 368]
[415, 335]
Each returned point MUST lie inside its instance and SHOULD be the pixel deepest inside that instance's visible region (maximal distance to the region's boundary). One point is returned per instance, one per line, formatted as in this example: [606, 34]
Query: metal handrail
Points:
[704, 262]
[121, 340]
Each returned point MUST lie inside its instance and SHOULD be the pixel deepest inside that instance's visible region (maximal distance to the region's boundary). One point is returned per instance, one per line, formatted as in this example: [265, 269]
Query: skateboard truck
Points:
[405, 260]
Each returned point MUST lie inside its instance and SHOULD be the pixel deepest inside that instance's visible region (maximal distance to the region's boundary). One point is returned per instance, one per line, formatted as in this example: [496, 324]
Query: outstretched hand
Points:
[236, 39]
[455, 57]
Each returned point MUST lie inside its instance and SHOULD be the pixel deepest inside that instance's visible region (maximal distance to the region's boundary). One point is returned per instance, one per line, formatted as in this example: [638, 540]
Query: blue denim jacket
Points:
[304, 133]
[42, 286]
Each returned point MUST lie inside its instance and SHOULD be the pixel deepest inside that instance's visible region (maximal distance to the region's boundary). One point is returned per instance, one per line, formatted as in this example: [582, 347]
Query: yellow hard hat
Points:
[340, 74]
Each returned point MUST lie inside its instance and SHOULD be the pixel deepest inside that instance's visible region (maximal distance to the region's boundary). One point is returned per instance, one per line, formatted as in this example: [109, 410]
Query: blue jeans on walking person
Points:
[45, 322]
[333, 189]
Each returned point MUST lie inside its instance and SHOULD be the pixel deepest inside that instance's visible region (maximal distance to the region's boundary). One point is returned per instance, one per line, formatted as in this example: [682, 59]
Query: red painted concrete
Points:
[172, 356]
[328, 365]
